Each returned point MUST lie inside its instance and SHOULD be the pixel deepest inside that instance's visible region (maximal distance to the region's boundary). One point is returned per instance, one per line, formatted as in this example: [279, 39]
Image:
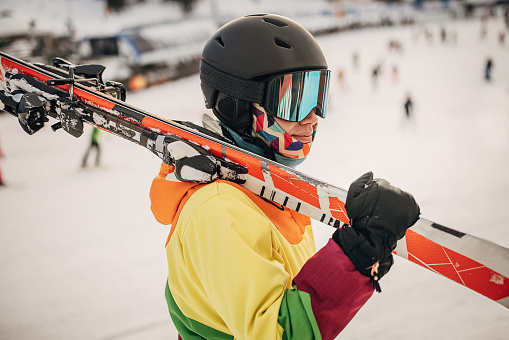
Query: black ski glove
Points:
[379, 216]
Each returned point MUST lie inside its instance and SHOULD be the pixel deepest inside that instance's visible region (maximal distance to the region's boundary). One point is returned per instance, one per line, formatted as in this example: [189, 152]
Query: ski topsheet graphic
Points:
[76, 94]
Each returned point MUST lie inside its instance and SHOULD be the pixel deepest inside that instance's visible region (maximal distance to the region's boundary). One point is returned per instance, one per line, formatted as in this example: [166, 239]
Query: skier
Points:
[487, 70]
[355, 59]
[443, 34]
[341, 78]
[1, 179]
[408, 107]
[374, 75]
[94, 144]
[395, 73]
[241, 267]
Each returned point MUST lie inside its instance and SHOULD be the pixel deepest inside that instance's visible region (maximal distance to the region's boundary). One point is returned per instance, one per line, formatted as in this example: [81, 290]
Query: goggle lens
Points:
[293, 96]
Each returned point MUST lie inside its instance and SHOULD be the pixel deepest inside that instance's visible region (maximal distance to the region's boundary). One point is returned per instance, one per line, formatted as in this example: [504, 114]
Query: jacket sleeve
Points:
[336, 288]
[244, 278]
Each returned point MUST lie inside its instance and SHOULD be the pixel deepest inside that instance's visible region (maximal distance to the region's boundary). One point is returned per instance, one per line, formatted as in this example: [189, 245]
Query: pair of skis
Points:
[76, 94]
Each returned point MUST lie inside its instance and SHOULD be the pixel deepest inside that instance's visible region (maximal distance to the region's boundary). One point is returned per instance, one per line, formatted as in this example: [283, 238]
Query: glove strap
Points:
[374, 277]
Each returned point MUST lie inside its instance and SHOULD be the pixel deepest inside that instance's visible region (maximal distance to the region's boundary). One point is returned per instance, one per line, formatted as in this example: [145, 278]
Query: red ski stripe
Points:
[456, 267]
[94, 100]
[338, 210]
[294, 186]
[253, 165]
[11, 65]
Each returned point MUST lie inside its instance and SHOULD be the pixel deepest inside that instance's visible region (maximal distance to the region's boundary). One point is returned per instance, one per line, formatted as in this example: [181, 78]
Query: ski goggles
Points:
[291, 96]
[294, 95]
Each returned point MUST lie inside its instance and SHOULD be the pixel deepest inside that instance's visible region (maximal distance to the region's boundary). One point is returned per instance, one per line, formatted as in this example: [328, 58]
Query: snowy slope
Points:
[81, 256]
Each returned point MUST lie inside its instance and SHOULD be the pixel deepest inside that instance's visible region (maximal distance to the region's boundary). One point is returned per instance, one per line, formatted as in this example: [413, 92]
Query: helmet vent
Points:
[282, 43]
[219, 40]
[275, 22]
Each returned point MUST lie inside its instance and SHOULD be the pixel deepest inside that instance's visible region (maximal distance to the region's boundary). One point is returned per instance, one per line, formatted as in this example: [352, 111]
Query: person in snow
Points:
[487, 69]
[1, 156]
[408, 107]
[94, 144]
[375, 72]
[242, 267]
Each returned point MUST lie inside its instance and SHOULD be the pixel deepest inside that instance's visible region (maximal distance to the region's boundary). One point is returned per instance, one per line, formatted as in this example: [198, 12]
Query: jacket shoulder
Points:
[219, 195]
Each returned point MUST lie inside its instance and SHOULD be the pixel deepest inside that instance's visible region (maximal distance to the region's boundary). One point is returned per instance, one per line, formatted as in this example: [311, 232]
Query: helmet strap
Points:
[245, 89]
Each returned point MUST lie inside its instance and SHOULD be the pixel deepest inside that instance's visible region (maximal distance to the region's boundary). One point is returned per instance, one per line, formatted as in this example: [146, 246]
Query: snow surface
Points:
[81, 256]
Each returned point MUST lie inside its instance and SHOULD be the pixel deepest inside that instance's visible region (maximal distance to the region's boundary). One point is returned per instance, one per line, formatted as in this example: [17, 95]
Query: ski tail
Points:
[477, 264]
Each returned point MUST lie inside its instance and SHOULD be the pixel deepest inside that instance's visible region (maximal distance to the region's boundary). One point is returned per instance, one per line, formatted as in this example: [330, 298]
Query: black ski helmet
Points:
[244, 52]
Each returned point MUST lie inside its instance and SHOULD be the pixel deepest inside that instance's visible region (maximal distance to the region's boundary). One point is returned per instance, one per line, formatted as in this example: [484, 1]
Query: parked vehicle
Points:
[143, 56]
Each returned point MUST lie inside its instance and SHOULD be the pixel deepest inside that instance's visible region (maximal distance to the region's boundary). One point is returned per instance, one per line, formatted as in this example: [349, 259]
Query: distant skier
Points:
[395, 73]
[341, 78]
[94, 144]
[487, 71]
[443, 34]
[1, 179]
[355, 59]
[395, 45]
[408, 107]
[374, 75]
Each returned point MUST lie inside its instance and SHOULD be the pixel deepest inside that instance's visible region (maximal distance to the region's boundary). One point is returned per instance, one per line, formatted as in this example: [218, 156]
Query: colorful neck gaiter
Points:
[272, 134]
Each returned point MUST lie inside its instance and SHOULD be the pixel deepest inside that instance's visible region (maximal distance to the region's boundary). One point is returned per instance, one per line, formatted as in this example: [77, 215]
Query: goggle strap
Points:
[249, 90]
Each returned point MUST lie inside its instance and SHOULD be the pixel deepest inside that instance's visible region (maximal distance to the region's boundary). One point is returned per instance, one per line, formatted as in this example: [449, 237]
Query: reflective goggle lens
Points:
[292, 96]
